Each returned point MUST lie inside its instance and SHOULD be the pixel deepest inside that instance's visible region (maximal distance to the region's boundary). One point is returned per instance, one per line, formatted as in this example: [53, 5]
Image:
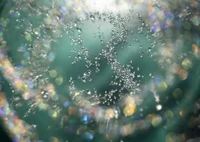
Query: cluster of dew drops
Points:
[128, 31]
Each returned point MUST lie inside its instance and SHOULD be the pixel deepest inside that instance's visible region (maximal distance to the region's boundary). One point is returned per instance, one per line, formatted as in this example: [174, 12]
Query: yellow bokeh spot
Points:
[59, 80]
[54, 114]
[6, 63]
[129, 109]
[182, 112]
[162, 86]
[19, 84]
[28, 37]
[53, 73]
[156, 120]
[186, 64]
[25, 88]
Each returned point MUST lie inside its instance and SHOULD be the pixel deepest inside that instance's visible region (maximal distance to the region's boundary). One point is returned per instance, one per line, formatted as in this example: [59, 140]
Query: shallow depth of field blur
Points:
[100, 70]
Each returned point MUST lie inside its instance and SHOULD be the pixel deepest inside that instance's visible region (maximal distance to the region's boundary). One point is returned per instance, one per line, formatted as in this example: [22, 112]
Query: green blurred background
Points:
[63, 65]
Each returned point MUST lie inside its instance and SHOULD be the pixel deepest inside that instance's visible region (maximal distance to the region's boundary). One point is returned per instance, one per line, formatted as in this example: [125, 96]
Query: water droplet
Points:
[92, 17]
